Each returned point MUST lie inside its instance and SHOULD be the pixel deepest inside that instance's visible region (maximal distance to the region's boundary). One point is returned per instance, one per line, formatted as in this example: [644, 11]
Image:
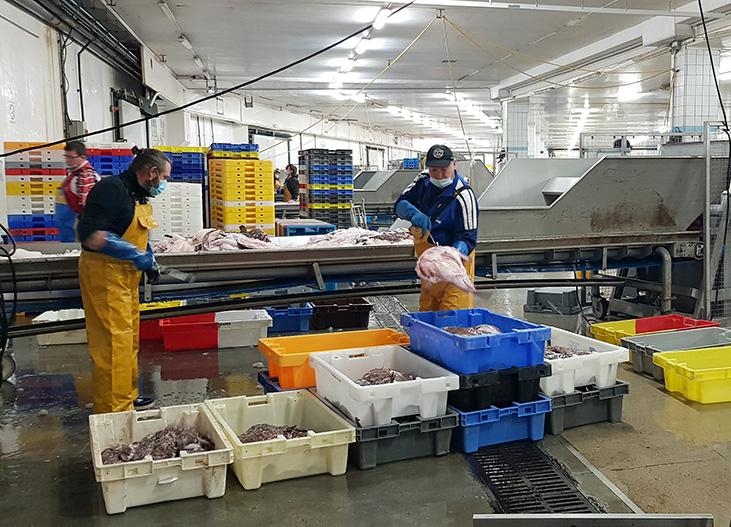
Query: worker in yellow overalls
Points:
[443, 210]
[114, 235]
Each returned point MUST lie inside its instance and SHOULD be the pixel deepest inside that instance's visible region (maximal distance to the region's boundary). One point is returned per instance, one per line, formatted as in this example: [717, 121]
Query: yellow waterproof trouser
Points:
[442, 296]
[110, 294]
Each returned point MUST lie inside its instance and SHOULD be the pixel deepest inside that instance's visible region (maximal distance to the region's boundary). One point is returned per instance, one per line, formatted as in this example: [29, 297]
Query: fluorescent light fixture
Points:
[363, 45]
[185, 42]
[381, 18]
[199, 62]
[336, 84]
[165, 8]
[348, 65]
[358, 97]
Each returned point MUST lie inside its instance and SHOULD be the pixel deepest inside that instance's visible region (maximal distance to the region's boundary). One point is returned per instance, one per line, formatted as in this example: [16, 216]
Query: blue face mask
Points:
[441, 183]
[156, 191]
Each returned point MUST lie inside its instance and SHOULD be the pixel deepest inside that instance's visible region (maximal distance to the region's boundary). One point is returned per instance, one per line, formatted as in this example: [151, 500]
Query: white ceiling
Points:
[238, 40]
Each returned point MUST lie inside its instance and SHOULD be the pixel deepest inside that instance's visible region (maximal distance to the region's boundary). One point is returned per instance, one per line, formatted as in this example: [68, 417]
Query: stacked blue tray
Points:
[235, 147]
[519, 344]
[411, 162]
[188, 167]
[31, 221]
[110, 165]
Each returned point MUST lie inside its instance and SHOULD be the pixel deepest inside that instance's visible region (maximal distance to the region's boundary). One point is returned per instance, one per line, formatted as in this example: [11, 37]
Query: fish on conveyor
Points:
[473, 331]
[444, 264]
[383, 376]
[357, 236]
[265, 432]
[163, 444]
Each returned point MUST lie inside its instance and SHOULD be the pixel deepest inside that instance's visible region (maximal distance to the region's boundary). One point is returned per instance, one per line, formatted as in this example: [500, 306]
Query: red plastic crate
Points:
[183, 334]
[150, 329]
[33, 232]
[121, 151]
[669, 323]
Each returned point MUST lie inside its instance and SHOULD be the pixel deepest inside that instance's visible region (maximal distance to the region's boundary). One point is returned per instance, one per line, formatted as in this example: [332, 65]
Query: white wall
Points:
[29, 78]
[32, 85]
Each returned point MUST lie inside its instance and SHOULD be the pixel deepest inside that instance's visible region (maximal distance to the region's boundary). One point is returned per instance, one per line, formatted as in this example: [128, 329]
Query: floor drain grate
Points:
[524, 479]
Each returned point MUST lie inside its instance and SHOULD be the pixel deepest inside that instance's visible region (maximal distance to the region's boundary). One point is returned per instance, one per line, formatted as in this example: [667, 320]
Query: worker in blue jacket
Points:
[443, 210]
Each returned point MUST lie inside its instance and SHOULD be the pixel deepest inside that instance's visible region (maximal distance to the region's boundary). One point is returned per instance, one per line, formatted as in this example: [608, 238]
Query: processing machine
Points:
[536, 215]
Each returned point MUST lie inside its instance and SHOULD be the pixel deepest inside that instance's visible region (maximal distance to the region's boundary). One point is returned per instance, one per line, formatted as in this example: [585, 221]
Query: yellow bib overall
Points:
[110, 294]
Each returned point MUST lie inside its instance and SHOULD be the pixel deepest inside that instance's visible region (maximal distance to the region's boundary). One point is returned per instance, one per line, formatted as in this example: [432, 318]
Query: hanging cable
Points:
[208, 97]
[453, 85]
[717, 285]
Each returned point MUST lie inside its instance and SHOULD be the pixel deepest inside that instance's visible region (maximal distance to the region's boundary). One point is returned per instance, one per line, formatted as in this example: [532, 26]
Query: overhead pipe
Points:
[80, 90]
[667, 279]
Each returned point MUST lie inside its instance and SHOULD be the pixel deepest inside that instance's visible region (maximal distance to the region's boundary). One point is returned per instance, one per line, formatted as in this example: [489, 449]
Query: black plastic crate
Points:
[351, 313]
[479, 391]
[404, 438]
[587, 405]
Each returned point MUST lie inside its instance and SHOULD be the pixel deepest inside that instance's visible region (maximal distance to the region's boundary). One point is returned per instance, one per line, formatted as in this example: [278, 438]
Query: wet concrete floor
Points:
[667, 456]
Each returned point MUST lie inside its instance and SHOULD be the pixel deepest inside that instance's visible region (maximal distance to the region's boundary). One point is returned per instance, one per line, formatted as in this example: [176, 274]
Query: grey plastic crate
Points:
[586, 406]
[642, 347]
[403, 438]
[559, 300]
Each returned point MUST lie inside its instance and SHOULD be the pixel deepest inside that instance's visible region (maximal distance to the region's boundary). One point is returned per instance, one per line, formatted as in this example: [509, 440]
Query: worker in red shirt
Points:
[80, 179]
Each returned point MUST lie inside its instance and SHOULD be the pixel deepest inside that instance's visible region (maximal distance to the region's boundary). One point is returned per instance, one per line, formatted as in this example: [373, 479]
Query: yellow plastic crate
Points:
[220, 154]
[614, 332]
[329, 187]
[241, 178]
[186, 149]
[288, 358]
[149, 306]
[702, 375]
[32, 189]
[330, 206]
[244, 211]
[229, 217]
[240, 163]
[11, 146]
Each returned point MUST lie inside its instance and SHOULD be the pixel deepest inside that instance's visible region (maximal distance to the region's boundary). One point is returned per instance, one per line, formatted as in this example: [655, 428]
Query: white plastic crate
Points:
[598, 368]
[77, 336]
[152, 481]
[324, 450]
[242, 328]
[426, 396]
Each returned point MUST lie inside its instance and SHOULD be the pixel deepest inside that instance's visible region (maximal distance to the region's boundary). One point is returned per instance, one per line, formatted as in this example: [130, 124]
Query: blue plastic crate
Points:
[495, 426]
[31, 221]
[307, 230]
[290, 319]
[341, 168]
[270, 384]
[520, 344]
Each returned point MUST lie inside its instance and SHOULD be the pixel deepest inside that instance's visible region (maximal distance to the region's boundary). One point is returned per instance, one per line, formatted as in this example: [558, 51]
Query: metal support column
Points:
[667, 279]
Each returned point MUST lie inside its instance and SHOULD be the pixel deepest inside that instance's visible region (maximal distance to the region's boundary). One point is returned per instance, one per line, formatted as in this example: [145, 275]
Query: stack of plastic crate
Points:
[498, 400]
[110, 159]
[241, 188]
[411, 163]
[326, 177]
[32, 180]
[178, 210]
[189, 163]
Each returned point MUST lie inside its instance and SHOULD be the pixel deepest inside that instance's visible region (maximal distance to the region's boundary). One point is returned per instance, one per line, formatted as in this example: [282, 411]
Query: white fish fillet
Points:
[444, 264]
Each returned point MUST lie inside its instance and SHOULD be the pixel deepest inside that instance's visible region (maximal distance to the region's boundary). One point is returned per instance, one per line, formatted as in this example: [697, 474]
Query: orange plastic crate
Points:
[288, 358]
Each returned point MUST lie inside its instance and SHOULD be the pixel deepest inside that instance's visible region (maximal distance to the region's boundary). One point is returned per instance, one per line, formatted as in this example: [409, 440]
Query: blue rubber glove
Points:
[463, 248]
[407, 211]
[120, 249]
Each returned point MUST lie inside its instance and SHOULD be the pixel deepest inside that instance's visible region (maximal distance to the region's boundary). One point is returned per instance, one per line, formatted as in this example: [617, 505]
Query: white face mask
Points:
[441, 183]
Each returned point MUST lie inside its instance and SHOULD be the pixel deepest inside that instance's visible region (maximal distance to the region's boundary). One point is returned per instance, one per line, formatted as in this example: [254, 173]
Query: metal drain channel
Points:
[524, 479]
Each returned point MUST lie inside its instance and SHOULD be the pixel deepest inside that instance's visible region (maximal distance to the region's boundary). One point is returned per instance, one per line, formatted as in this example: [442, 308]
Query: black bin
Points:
[352, 313]
[479, 391]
